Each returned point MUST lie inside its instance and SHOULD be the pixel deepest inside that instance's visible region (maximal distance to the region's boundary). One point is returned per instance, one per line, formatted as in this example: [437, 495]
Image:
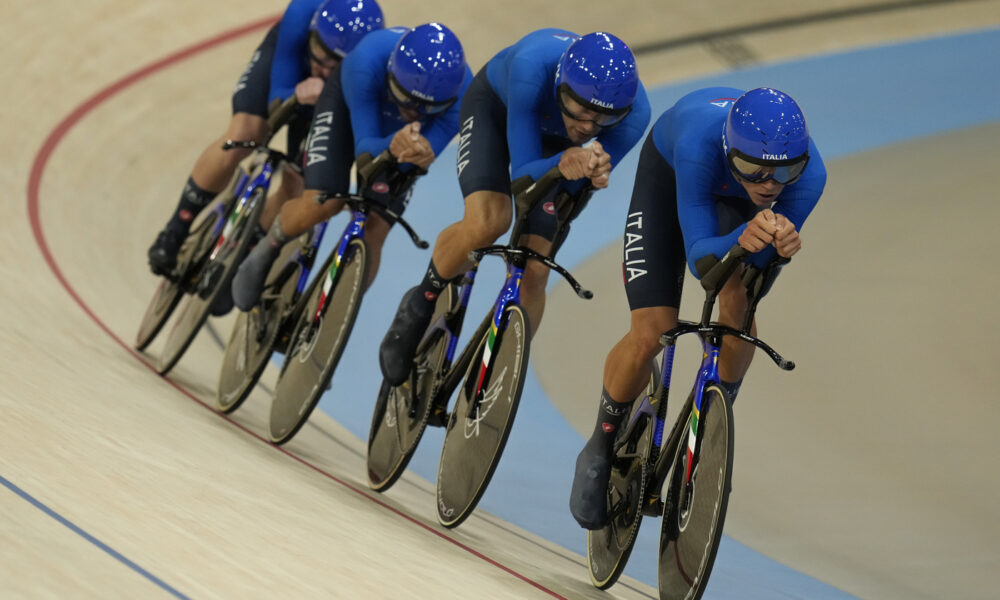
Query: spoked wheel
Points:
[693, 515]
[608, 548]
[477, 431]
[169, 291]
[401, 413]
[213, 280]
[317, 343]
[252, 340]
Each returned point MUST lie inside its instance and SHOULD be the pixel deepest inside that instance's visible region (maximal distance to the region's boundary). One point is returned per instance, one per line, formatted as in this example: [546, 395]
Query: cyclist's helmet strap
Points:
[428, 64]
[340, 24]
[766, 126]
[600, 71]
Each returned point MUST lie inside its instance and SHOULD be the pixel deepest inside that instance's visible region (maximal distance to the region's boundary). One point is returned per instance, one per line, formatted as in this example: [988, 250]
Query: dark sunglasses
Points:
[605, 117]
[755, 171]
[405, 99]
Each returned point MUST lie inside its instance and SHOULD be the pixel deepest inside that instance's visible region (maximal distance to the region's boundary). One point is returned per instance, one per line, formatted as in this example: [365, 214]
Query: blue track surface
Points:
[854, 102]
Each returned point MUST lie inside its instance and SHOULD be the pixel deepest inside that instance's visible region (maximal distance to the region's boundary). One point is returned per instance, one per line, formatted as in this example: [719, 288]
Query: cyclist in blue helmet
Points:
[531, 108]
[398, 90]
[296, 56]
[719, 167]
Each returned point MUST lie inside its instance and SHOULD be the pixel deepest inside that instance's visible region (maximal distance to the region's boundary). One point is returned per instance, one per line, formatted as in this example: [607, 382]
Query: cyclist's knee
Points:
[245, 127]
[733, 303]
[487, 216]
[535, 278]
[648, 324]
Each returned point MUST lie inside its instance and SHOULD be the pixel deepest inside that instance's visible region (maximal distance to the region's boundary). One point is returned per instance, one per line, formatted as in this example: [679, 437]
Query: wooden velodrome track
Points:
[120, 484]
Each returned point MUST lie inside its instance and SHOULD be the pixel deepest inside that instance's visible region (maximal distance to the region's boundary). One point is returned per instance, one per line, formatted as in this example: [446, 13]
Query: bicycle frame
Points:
[354, 230]
[262, 179]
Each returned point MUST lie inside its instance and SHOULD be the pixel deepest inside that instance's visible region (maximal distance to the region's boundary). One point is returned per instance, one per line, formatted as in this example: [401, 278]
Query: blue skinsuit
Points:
[291, 59]
[375, 119]
[523, 76]
[689, 137]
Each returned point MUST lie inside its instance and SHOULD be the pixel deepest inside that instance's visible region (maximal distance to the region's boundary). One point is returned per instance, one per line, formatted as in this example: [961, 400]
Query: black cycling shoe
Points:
[163, 253]
[252, 274]
[588, 499]
[395, 355]
[223, 303]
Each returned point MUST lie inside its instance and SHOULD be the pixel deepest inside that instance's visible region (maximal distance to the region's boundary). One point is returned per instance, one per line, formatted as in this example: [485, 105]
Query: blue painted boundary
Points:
[96, 542]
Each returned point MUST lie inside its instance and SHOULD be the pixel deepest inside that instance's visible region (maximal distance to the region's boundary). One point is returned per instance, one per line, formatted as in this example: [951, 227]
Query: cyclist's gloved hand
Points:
[759, 233]
[786, 239]
[308, 90]
[600, 166]
[409, 146]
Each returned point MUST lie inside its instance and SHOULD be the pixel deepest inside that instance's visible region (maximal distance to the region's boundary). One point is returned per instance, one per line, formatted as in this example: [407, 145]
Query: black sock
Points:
[610, 416]
[430, 287]
[731, 389]
[193, 199]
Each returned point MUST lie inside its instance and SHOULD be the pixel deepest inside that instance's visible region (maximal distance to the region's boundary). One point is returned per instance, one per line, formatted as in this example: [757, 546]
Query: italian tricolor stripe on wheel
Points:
[327, 286]
[692, 440]
[487, 353]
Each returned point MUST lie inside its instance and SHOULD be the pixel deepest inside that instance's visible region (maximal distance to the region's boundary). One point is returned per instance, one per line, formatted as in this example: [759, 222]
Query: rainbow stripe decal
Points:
[492, 336]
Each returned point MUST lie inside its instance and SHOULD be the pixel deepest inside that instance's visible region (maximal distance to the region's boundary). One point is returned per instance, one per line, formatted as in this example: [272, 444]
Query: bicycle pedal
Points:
[438, 418]
[653, 507]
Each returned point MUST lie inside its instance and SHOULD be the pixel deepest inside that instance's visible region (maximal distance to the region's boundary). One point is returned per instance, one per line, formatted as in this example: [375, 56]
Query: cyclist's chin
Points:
[579, 137]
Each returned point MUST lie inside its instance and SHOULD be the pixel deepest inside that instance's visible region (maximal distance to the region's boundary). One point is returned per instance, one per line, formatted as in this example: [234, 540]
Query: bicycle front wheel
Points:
[694, 514]
[317, 343]
[477, 429]
[608, 548]
[401, 413]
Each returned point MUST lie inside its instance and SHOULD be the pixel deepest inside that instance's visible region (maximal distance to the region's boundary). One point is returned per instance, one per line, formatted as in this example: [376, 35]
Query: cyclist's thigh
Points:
[329, 148]
[483, 156]
[251, 91]
[653, 261]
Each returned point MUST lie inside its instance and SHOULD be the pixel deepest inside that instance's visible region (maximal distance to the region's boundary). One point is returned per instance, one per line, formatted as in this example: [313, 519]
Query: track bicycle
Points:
[489, 373]
[210, 254]
[311, 328]
[686, 476]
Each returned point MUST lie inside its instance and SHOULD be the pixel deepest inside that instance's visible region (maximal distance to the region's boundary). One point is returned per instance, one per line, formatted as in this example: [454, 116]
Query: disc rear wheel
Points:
[252, 340]
[401, 413]
[608, 548]
[170, 290]
[212, 281]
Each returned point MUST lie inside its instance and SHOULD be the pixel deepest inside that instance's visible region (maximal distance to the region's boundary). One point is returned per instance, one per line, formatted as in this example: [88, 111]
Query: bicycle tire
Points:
[609, 547]
[169, 291]
[215, 274]
[473, 444]
[401, 413]
[315, 348]
[251, 342]
[693, 520]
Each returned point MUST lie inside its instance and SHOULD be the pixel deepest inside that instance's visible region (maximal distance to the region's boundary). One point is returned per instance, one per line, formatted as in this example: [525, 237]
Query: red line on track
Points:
[53, 140]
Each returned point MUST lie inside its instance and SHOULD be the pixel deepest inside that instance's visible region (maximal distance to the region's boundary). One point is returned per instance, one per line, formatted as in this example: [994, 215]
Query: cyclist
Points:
[398, 90]
[532, 107]
[297, 54]
[693, 197]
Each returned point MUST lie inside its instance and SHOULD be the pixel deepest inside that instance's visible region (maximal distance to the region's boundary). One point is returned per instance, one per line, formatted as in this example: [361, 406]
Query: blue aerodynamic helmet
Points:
[598, 71]
[340, 24]
[426, 69]
[766, 137]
